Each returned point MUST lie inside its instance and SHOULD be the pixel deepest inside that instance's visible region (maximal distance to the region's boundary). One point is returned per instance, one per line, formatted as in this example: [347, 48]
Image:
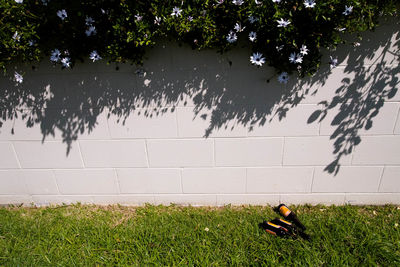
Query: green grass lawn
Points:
[114, 235]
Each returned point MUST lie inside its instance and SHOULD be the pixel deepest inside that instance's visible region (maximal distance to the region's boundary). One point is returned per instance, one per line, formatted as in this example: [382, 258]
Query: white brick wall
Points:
[279, 180]
[288, 126]
[38, 155]
[191, 126]
[11, 182]
[390, 180]
[135, 126]
[349, 179]
[40, 182]
[312, 150]
[152, 148]
[397, 127]
[21, 132]
[8, 159]
[180, 153]
[383, 123]
[86, 182]
[216, 180]
[383, 150]
[248, 152]
[149, 181]
[107, 153]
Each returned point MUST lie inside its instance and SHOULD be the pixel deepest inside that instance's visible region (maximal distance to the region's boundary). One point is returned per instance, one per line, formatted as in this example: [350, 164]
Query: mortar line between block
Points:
[108, 125]
[181, 177]
[397, 120]
[198, 167]
[117, 180]
[80, 153]
[176, 121]
[260, 137]
[380, 179]
[214, 155]
[283, 150]
[55, 180]
[245, 190]
[16, 156]
[352, 156]
[146, 151]
[319, 128]
[312, 181]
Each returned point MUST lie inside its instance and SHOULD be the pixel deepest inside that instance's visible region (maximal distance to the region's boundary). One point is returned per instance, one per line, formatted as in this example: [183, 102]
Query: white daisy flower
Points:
[95, 56]
[19, 1]
[292, 57]
[309, 3]
[157, 20]
[258, 2]
[276, 1]
[283, 77]
[91, 31]
[190, 18]
[18, 77]
[138, 17]
[66, 62]
[219, 2]
[238, 27]
[347, 10]
[55, 55]
[176, 11]
[257, 59]
[89, 21]
[279, 48]
[333, 62]
[283, 23]
[252, 36]
[238, 2]
[303, 50]
[252, 19]
[299, 59]
[62, 14]
[232, 37]
[16, 37]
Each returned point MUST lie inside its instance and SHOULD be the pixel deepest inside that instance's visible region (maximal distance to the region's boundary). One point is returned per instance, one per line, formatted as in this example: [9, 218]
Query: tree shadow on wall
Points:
[370, 77]
[223, 90]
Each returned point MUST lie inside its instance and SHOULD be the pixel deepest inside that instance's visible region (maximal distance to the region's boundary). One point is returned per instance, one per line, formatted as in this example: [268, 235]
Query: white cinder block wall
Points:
[194, 129]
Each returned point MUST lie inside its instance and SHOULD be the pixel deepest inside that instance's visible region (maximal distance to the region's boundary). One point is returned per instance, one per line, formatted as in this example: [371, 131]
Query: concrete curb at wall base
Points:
[203, 199]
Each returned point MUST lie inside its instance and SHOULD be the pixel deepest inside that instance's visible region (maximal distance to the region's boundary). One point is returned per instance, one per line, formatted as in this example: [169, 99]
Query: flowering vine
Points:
[285, 34]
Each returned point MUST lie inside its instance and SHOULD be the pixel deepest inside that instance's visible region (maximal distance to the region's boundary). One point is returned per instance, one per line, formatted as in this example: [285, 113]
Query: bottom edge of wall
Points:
[204, 199]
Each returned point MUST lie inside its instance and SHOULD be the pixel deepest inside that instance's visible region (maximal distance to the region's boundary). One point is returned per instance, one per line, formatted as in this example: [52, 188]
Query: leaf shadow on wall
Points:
[370, 78]
[224, 91]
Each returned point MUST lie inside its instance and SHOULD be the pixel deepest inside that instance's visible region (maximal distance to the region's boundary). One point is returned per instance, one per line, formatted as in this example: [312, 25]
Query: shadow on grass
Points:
[223, 90]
